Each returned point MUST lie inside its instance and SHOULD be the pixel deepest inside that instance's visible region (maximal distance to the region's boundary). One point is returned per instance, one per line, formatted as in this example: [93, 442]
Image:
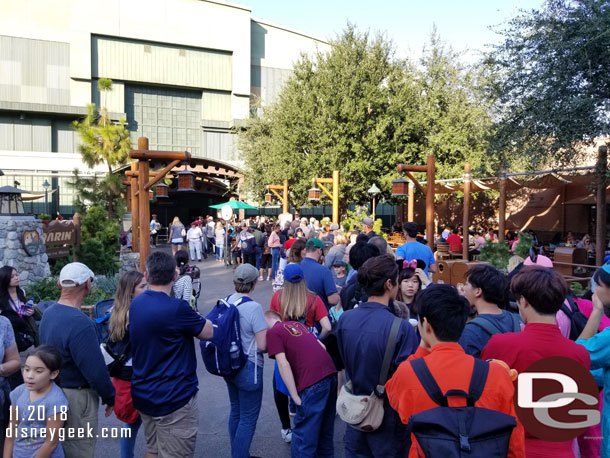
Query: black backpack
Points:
[578, 320]
[457, 432]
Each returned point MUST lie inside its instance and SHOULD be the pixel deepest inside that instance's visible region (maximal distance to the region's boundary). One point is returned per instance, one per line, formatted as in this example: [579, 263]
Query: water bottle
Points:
[235, 359]
[30, 304]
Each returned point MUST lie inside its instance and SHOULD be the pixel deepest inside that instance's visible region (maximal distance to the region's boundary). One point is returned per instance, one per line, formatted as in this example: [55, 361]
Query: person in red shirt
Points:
[311, 379]
[455, 242]
[442, 317]
[539, 292]
[295, 301]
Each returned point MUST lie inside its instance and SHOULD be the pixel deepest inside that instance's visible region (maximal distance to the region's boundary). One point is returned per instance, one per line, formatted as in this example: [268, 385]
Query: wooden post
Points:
[285, 194]
[336, 196]
[466, 211]
[600, 203]
[144, 206]
[411, 203]
[76, 220]
[502, 206]
[430, 202]
[135, 226]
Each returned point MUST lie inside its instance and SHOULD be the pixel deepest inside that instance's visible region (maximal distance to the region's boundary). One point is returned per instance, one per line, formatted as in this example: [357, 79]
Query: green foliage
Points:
[47, 289]
[104, 141]
[44, 216]
[360, 111]
[106, 284]
[99, 241]
[353, 221]
[553, 81]
[44, 289]
[497, 254]
[92, 191]
[526, 242]
[577, 288]
[57, 264]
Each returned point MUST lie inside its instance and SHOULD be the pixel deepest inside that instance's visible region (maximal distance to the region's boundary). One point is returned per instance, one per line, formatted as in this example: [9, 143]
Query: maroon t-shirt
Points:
[309, 362]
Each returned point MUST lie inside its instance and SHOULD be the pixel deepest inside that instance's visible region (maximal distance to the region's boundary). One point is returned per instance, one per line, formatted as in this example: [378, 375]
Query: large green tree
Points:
[554, 84]
[104, 142]
[359, 110]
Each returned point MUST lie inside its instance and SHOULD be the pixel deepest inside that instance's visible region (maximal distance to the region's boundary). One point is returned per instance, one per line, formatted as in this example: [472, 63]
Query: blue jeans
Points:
[219, 252]
[312, 435]
[246, 398]
[128, 444]
[275, 260]
[259, 254]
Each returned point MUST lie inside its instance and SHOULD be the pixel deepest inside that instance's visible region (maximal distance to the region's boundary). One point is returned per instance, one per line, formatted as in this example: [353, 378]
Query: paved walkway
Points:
[213, 439]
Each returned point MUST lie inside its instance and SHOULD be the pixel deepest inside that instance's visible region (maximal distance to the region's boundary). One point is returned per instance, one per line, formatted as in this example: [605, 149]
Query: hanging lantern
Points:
[186, 181]
[151, 195]
[268, 198]
[314, 194]
[162, 190]
[400, 187]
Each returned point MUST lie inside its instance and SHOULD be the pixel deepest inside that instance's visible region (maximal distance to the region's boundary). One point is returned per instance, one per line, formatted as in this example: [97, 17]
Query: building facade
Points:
[184, 72]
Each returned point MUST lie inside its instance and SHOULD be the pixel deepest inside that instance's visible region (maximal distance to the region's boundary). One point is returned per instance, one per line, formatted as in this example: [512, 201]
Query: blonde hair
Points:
[176, 221]
[119, 319]
[293, 299]
[513, 262]
[340, 239]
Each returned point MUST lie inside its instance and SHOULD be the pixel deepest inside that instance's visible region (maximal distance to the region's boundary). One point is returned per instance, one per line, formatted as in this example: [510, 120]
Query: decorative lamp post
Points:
[374, 190]
[11, 203]
[162, 190]
[46, 187]
[186, 180]
[400, 187]
[314, 193]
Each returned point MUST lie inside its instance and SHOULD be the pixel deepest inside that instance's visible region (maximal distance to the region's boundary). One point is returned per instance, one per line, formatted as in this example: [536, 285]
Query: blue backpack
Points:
[457, 432]
[216, 352]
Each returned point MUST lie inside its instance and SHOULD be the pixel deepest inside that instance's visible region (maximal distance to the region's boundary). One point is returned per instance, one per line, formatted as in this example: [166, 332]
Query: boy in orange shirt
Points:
[442, 317]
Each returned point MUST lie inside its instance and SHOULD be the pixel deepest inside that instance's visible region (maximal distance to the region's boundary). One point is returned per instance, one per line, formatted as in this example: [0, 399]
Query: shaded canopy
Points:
[235, 205]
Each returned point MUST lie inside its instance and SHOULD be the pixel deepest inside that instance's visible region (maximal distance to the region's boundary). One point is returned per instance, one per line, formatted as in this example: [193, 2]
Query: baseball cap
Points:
[293, 273]
[317, 243]
[245, 273]
[334, 227]
[368, 221]
[74, 274]
[304, 220]
[339, 263]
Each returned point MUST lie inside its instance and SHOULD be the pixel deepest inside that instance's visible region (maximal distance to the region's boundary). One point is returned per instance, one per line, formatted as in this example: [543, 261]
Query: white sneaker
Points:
[287, 435]
[260, 278]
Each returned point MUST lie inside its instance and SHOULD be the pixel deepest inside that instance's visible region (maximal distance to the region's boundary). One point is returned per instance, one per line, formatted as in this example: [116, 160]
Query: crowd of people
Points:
[349, 323]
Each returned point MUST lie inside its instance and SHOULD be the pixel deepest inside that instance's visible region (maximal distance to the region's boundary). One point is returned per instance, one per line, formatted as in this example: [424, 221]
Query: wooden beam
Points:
[276, 193]
[431, 169]
[466, 211]
[502, 206]
[415, 182]
[160, 174]
[135, 214]
[601, 169]
[159, 155]
[411, 204]
[330, 196]
[411, 168]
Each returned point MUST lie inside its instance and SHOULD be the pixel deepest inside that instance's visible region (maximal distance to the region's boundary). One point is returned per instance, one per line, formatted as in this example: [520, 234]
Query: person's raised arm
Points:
[287, 376]
[593, 323]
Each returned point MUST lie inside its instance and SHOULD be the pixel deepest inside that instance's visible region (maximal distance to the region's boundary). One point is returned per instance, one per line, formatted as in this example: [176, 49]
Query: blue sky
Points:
[462, 23]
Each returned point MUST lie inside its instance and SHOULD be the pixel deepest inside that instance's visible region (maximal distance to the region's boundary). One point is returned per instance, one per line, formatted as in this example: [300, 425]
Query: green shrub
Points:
[44, 289]
[100, 260]
[526, 241]
[353, 221]
[497, 254]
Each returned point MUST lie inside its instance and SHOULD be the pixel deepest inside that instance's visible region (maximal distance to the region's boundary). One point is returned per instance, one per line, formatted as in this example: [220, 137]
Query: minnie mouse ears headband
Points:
[412, 264]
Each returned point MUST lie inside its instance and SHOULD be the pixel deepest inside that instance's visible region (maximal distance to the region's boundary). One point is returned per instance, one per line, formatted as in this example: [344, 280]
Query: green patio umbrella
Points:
[235, 205]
